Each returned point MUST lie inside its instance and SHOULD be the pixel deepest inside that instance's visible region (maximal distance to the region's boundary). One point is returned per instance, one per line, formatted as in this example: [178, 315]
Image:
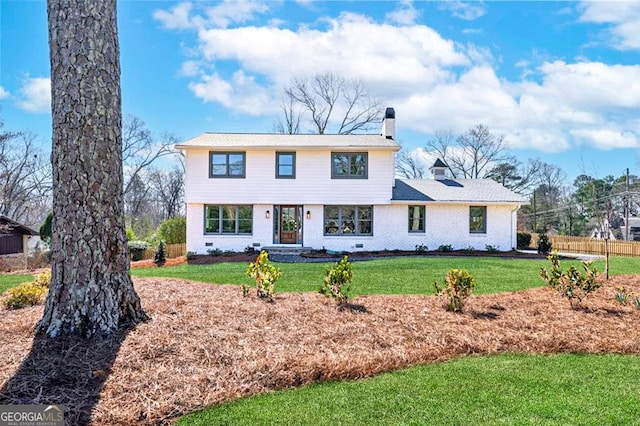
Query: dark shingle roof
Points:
[458, 190]
[439, 163]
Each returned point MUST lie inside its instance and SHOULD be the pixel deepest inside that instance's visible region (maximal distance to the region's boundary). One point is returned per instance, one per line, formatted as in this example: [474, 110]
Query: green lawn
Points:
[11, 280]
[409, 275]
[567, 389]
[403, 275]
[505, 389]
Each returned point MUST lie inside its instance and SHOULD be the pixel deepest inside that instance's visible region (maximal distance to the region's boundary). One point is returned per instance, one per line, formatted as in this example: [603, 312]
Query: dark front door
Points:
[288, 224]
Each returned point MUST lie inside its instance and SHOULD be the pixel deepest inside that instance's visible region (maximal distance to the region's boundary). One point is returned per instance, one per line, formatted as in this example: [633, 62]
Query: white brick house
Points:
[333, 191]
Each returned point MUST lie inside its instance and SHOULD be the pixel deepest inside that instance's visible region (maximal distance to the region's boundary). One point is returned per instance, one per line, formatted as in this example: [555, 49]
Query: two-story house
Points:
[337, 192]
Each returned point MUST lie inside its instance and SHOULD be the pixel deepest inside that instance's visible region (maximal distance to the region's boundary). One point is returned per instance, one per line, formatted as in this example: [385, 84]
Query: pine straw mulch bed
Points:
[207, 344]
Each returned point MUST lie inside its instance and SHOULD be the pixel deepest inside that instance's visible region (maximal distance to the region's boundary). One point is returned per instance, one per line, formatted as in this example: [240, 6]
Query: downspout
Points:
[514, 238]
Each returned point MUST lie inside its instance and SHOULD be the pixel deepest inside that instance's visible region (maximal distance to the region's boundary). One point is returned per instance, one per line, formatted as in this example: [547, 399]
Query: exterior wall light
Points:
[267, 214]
[308, 214]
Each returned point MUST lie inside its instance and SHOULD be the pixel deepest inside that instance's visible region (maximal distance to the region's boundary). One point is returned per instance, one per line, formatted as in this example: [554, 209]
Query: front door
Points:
[288, 224]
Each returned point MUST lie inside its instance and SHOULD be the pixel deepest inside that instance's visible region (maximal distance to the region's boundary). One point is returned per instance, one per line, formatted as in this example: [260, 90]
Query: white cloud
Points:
[409, 55]
[608, 138]
[222, 15]
[623, 18]
[177, 18]
[469, 11]
[35, 95]
[241, 93]
[434, 83]
[234, 11]
[4, 93]
[404, 14]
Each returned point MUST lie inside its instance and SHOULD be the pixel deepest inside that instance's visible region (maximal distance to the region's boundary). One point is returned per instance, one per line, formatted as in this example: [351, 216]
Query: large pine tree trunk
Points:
[91, 290]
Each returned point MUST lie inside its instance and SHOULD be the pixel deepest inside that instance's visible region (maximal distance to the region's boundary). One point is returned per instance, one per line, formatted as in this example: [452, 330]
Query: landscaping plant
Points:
[523, 240]
[621, 295]
[29, 293]
[571, 284]
[337, 281]
[265, 275]
[137, 249]
[161, 254]
[458, 286]
[544, 245]
[445, 248]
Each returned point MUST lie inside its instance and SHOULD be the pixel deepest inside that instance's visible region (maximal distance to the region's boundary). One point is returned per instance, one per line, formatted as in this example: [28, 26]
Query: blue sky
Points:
[560, 79]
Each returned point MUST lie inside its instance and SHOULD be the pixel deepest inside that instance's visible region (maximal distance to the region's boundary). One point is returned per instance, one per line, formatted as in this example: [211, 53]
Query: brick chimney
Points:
[389, 123]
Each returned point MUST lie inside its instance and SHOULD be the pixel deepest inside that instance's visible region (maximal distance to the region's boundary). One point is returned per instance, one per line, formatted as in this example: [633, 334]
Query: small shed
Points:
[14, 236]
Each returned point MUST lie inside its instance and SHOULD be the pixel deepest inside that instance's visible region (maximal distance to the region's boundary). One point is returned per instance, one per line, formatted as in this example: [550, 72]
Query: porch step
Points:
[286, 250]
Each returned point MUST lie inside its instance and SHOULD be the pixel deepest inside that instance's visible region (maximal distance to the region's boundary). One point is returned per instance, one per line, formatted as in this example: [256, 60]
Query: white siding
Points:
[445, 224]
[197, 240]
[312, 185]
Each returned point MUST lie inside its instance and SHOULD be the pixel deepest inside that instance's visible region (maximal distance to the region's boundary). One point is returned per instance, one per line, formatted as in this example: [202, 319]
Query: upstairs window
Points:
[349, 165]
[285, 165]
[227, 164]
[478, 219]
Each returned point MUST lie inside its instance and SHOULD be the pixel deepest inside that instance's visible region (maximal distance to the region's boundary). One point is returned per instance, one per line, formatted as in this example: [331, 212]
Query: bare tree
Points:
[169, 191]
[409, 166]
[25, 178]
[91, 290]
[291, 115]
[471, 154]
[325, 96]
[140, 150]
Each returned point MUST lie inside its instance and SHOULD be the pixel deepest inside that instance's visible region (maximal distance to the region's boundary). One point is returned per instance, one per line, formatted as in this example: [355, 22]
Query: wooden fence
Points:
[590, 245]
[173, 250]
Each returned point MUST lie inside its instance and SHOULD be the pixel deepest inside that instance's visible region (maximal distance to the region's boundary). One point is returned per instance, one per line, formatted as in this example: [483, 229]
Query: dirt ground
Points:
[207, 344]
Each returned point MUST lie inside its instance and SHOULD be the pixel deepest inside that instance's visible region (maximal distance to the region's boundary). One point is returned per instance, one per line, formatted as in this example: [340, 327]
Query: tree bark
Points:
[91, 291]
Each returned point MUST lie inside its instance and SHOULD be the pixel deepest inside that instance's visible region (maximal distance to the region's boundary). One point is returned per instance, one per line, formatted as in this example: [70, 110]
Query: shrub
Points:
[191, 255]
[161, 254]
[421, 248]
[571, 284]
[249, 250]
[458, 286]
[43, 279]
[26, 294]
[137, 249]
[469, 249]
[544, 245]
[214, 252]
[636, 302]
[445, 248]
[337, 281]
[492, 249]
[46, 228]
[173, 230]
[523, 240]
[265, 275]
[131, 235]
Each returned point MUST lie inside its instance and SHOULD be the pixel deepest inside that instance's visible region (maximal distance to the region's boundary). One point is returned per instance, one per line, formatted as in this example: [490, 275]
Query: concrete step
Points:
[285, 250]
